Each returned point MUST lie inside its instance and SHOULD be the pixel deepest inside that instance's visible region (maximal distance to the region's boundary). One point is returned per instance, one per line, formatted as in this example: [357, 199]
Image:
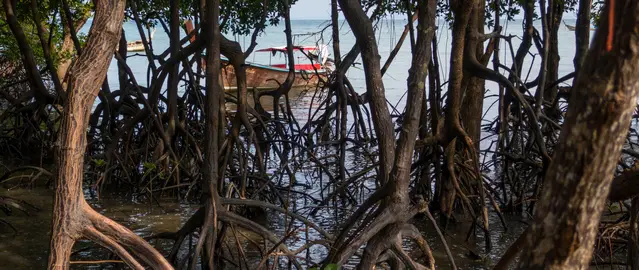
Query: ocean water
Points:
[388, 32]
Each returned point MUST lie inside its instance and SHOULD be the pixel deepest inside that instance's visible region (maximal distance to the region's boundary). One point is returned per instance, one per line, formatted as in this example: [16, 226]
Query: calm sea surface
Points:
[388, 33]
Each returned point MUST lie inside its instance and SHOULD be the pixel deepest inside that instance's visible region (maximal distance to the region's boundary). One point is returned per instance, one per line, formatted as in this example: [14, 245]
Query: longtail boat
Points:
[261, 77]
[268, 77]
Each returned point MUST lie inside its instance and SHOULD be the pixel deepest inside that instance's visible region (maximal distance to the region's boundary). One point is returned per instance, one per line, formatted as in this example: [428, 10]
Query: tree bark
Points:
[556, 10]
[122, 76]
[365, 35]
[73, 218]
[395, 208]
[578, 179]
[70, 43]
[473, 100]
[213, 115]
[285, 86]
[524, 47]
[582, 33]
[173, 74]
[624, 186]
[633, 242]
[453, 128]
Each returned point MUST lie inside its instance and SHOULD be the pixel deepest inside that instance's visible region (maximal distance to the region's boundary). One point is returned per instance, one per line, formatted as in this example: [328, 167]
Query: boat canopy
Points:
[319, 52]
[283, 49]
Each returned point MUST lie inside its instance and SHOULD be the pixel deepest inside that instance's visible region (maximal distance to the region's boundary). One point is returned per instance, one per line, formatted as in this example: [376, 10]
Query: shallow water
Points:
[28, 249]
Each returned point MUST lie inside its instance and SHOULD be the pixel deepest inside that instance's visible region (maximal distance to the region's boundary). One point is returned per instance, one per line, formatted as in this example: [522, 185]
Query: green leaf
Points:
[331, 266]
[99, 162]
[149, 166]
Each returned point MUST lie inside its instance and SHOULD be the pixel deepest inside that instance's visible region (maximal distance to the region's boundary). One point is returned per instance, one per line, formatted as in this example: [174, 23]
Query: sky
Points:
[321, 10]
[311, 10]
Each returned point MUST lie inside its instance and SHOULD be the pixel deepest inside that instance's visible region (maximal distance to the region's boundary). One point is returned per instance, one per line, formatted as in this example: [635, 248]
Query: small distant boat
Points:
[137, 46]
[269, 77]
[573, 28]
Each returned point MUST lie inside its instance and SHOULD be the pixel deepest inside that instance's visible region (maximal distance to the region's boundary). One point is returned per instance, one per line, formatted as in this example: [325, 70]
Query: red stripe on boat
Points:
[300, 66]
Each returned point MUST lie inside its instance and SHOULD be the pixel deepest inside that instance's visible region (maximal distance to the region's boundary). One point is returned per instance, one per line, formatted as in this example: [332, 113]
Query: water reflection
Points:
[301, 98]
[29, 248]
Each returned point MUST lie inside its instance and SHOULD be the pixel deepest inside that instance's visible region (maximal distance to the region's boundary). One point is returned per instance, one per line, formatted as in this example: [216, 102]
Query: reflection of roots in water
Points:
[300, 98]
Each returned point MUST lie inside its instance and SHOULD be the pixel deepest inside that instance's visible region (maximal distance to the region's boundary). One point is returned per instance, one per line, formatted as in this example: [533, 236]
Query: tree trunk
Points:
[211, 170]
[524, 47]
[624, 186]
[550, 93]
[395, 209]
[578, 179]
[453, 128]
[67, 49]
[73, 218]
[582, 33]
[285, 86]
[633, 242]
[173, 74]
[122, 76]
[365, 35]
[473, 102]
